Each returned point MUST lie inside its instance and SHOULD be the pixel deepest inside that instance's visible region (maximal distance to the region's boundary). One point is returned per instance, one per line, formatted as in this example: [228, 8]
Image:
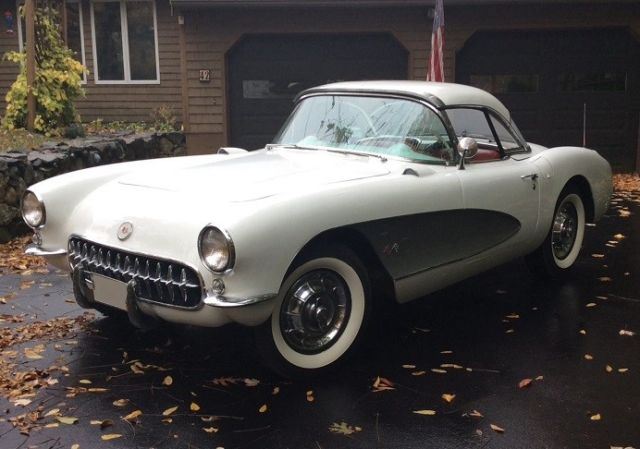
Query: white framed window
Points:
[125, 42]
[75, 30]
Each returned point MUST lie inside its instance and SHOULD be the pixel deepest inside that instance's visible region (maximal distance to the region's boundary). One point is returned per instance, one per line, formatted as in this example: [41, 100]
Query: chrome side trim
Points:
[227, 302]
[34, 250]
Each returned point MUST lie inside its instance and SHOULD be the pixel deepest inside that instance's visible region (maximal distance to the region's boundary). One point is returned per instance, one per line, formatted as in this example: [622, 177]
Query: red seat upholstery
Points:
[486, 155]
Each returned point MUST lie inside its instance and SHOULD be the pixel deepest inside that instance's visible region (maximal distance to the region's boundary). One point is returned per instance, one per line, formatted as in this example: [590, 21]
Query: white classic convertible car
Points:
[372, 190]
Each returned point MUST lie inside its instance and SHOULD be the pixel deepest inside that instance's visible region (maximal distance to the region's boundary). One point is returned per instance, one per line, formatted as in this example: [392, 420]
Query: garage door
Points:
[547, 77]
[265, 73]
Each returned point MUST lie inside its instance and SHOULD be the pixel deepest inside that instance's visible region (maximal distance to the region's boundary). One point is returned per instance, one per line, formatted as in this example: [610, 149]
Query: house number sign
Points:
[205, 75]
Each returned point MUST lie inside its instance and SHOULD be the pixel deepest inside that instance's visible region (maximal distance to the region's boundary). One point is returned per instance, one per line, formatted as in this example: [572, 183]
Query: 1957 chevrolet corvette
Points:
[392, 187]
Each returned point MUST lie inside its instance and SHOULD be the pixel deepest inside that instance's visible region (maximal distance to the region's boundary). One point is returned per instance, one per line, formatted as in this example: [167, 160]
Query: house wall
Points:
[463, 21]
[125, 102]
[135, 102]
[210, 34]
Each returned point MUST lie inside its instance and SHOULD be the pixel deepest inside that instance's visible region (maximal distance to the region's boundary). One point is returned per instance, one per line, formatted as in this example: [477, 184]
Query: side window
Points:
[507, 139]
[471, 123]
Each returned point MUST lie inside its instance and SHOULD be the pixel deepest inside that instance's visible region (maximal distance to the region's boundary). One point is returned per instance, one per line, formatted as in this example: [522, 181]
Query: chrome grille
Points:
[157, 280]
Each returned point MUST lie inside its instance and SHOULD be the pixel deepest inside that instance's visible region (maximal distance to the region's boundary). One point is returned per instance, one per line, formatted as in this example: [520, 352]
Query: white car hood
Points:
[260, 174]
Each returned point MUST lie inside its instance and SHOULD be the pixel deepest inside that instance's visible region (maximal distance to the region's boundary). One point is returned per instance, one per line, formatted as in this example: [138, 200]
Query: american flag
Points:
[436, 63]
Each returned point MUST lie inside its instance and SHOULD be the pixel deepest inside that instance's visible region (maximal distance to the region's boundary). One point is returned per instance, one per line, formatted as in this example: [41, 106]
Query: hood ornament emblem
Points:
[125, 230]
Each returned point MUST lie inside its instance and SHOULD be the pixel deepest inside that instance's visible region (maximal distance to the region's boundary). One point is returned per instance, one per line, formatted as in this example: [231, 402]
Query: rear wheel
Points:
[320, 315]
[560, 250]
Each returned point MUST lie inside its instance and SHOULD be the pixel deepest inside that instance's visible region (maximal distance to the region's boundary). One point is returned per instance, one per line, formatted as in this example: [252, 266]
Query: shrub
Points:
[57, 84]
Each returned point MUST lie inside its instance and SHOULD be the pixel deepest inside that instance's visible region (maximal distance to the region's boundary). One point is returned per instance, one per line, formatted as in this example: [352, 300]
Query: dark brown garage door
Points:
[265, 72]
[546, 77]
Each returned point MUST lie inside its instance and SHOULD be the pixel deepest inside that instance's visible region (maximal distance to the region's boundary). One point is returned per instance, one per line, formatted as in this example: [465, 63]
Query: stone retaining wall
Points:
[20, 169]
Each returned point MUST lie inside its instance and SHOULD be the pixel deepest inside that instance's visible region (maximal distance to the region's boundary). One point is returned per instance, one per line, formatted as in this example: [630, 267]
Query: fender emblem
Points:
[125, 230]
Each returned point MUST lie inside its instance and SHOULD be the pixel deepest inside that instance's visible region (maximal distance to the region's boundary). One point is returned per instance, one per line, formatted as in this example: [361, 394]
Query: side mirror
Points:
[467, 149]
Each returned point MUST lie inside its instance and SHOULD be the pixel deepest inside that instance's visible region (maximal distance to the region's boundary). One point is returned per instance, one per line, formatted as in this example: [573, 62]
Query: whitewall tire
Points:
[561, 248]
[319, 316]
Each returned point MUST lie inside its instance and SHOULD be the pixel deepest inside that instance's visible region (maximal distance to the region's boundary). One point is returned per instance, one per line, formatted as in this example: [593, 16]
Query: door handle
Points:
[533, 177]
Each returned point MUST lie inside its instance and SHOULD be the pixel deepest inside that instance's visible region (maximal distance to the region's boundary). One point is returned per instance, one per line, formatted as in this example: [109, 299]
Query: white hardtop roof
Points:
[439, 94]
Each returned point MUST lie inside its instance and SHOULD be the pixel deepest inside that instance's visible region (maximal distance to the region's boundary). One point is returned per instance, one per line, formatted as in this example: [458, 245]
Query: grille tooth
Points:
[158, 280]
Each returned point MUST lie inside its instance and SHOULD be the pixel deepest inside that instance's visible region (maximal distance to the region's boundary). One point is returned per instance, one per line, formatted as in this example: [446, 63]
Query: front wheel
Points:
[320, 314]
[560, 250]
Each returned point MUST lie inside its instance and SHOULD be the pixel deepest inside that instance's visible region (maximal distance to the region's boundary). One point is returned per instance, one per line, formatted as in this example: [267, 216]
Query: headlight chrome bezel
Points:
[229, 248]
[40, 204]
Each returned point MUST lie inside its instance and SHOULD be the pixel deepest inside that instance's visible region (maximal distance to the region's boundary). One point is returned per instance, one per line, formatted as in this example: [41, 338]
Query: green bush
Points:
[57, 84]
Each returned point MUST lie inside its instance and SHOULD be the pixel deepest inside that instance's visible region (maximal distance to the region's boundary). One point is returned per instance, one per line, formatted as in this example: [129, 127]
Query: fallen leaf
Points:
[408, 366]
[623, 370]
[608, 368]
[595, 417]
[97, 390]
[496, 428]
[167, 381]
[53, 411]
[583, 332]
[588, 357]
[110, 436]
[525, 383]
[251, 382]
[52, 425]
[194, 407]
[476, 414]
[626, 333]
[343, 428]
[438, 370]
[597, 256]
[275, 390]
[67, 419]
[169, 411]
[591, 304]
[425, 412]
[310, 397]
[418, 373]
[604, 279]
[30, 354]
[540, 378]
[75, 446]
[263, 408]
[85, 381]
[22, 402]
[121, 402]
[448, 397]
[210, 429]
[133, 416]
[382, 384]
[104, 423]
[451, 365]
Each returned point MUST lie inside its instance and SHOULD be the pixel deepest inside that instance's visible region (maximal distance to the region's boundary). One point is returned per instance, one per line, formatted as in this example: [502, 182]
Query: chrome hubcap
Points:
[565, 227]
[315, 311]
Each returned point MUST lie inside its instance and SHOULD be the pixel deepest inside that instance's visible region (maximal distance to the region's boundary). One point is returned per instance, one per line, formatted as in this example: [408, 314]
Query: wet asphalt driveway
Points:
[576, 344]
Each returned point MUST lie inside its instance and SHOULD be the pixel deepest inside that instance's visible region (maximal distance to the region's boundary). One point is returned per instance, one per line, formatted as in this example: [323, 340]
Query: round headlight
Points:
[216, 249]
[33, 210]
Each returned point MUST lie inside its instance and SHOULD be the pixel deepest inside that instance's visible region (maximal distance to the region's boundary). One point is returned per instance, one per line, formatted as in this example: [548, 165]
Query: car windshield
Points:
[388, 127]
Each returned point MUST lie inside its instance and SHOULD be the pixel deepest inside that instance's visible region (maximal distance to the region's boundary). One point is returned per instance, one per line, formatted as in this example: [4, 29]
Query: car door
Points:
[500, 180]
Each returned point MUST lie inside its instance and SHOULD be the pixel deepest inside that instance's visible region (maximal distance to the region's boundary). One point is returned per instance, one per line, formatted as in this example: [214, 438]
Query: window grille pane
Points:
[108, 40]
[142, 45]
